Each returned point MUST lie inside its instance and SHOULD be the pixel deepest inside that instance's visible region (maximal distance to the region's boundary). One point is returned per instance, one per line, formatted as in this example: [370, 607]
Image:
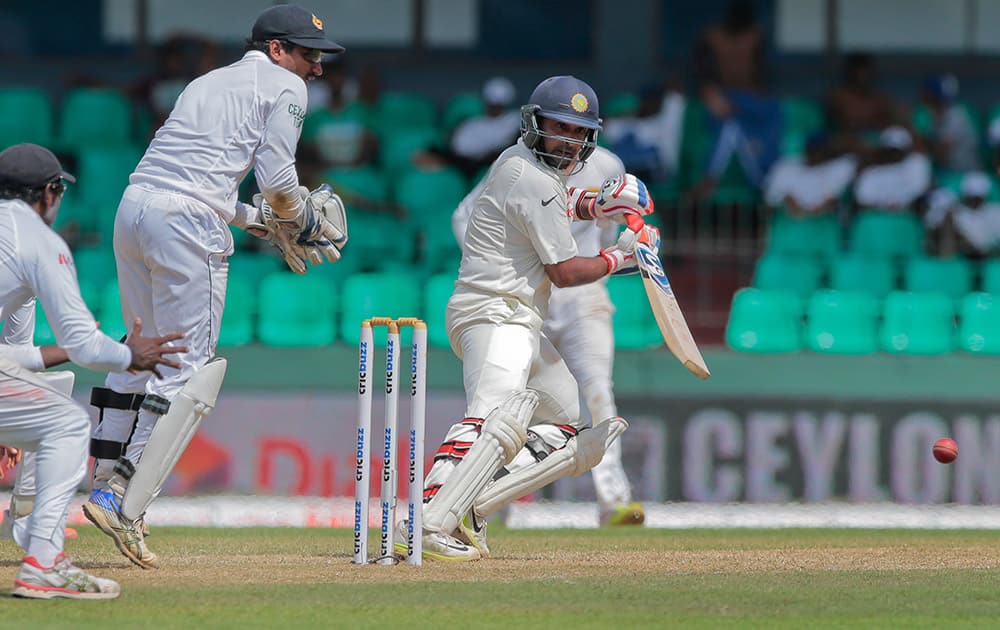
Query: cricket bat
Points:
[666, 310]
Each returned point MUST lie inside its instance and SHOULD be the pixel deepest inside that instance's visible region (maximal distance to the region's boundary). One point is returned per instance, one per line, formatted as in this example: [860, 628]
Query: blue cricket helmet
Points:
[566, 99]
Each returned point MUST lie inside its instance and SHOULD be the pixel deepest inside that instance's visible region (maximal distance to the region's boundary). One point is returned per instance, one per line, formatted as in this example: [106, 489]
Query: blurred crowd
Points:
[720, 135]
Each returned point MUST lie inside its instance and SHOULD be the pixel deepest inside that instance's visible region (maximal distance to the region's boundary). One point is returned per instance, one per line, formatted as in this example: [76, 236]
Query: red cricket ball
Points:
[945, 450]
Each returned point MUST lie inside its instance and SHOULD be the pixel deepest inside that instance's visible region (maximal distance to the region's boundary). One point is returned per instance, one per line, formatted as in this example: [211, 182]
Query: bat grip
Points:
[635, 222]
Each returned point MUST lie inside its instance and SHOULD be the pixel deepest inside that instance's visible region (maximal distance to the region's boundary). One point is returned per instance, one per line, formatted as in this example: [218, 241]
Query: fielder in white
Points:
[579, 326]
[172, 241]
[36, 415]
[517, 245]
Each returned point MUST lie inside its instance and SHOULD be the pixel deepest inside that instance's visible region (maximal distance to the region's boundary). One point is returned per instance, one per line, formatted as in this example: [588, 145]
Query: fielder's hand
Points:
[148, 352]
[9, 457]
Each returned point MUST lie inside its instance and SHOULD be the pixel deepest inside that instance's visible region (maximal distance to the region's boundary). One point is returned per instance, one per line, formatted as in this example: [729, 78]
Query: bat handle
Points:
[635, 222]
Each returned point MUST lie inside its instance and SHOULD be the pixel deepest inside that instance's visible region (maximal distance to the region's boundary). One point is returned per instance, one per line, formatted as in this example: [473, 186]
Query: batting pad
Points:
[505, 431]
[580, 454]
[171, 435]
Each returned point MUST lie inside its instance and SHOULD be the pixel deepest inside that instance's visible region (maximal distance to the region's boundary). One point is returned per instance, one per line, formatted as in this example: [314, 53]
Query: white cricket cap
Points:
[896, 138]
[975, 184]
[499, 91]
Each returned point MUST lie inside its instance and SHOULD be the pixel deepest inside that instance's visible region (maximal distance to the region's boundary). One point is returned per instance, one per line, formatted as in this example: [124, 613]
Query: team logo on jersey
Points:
[318, 23]
[579, 102]
[65, 260]
[298, 114]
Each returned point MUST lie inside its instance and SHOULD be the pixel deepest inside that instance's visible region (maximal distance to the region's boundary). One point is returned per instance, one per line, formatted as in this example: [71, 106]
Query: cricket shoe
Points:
[103, 510]
[436, 546]
[63, 579]
[472, 531]
[626, 514]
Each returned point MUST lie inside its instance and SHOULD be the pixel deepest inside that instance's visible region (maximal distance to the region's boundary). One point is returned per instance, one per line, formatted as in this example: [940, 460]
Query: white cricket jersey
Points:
[247, 115]
[590, 236]
[518, 225]
[36, 262]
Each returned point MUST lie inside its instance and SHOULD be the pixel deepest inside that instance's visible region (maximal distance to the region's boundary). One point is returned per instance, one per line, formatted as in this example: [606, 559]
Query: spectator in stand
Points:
[894, 176]
[337, 87]
[857, 107]
[180, 59]
[745, 120]
[993, 139]
[338, 131]
[968, 225]
[947, 128]
[649, 143]
[478, 141]
[810, 185]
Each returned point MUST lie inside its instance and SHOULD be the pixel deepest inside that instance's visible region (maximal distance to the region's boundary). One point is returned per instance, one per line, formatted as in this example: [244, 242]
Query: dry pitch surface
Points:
[604, 578]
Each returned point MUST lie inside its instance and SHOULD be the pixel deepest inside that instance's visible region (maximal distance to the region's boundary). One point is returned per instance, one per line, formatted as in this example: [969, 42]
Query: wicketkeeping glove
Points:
[310, 242]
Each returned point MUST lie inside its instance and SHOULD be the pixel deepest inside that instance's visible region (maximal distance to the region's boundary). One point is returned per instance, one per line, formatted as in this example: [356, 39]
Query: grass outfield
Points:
[294, 578]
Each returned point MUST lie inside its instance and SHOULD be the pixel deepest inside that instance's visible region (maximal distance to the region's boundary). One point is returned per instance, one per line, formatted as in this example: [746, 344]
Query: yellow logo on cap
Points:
[318, 23]
[579, 102]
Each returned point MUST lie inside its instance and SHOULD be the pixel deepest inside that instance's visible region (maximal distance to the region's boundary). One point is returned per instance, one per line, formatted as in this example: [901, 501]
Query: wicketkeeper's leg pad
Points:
[171, 435]
[580, 454]
[504, 433]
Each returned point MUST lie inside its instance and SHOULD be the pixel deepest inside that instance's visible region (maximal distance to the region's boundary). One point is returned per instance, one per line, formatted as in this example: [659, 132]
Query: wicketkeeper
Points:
[172, 242]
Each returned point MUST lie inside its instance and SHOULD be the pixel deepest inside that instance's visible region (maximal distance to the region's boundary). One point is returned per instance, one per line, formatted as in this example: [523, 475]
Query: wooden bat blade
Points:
[667, 312]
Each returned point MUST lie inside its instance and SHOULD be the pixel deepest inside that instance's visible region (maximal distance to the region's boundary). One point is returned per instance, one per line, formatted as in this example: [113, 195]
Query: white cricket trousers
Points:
[501, 357]
[171, 252]
[36, 417]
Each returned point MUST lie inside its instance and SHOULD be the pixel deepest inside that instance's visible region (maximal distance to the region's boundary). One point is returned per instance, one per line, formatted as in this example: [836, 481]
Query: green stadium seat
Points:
[841, 322]
[979, 324]
[853, 272]
[436, 295]
[379, 241]
[765, 321]
[386, 294]
[95, 117]
[402, 110]
[633, 322]
[810, 236]
[622, 104]
[103, 174]
[918, 323]
[991, 277]
[460, 108]
[296, 311]
[952, 276]
[396, 149]
[91, 291]
[25, 116]
[239, 314]
[110, 311]
[363, 187]
[430, 196]
[335, 273]
[255, 265]
[241, 239]
[95, 264]
[886, 234]
[44, 335]
[777, 272]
